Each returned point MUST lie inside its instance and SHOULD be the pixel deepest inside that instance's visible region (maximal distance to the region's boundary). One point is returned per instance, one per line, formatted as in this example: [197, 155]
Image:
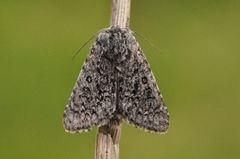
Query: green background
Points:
[198, 72]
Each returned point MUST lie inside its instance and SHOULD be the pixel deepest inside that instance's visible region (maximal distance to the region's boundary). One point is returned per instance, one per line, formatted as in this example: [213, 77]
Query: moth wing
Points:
[140, 100]
[93, 99]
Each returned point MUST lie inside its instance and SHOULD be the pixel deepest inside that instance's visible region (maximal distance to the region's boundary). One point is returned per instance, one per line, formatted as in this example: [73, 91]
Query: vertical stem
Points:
[120, 15]
[107, 142]
[108, 136]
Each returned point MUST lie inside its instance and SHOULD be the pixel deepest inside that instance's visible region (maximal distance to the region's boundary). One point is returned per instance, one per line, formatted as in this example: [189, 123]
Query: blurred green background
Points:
[198, 73]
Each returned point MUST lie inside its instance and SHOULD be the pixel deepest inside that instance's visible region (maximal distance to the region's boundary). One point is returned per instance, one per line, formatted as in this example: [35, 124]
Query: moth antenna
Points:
[83, 46]
[87, 43]
[147, 41]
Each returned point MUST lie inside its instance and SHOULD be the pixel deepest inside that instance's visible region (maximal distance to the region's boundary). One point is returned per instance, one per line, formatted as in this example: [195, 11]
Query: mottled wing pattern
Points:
[93, 99]
[140, 100]
[116, 83]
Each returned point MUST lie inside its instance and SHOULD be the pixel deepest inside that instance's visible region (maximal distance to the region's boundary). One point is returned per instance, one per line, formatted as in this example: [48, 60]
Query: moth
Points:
[116, 84]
